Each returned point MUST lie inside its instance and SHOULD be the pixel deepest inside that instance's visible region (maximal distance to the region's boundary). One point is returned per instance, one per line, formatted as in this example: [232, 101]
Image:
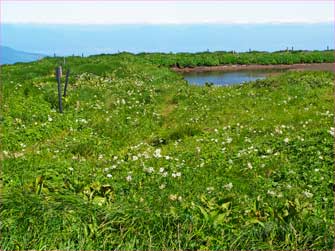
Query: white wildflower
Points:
[174, 175]
[271, 193]
[307, 194]
[129, 178]
[286, 140]
[228, 186]
[157, 153]
[18, 155]
[210, 189]
[149, 169]
[279, 131]
[173, 197]
[109, 175]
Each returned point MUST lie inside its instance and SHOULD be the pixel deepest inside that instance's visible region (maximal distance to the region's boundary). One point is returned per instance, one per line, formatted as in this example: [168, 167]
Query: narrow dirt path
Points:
[167, 108]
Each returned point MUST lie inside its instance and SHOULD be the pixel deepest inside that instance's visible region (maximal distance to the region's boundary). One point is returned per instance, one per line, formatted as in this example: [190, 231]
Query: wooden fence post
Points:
[58, 77]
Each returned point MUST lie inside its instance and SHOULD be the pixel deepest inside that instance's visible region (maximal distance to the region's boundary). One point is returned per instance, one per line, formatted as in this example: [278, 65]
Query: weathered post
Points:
[58, 77]
[64, 61]
[66, 81]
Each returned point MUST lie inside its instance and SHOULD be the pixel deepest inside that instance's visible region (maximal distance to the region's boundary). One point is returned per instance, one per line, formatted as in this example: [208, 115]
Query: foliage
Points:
[141, 160]
[253, 57]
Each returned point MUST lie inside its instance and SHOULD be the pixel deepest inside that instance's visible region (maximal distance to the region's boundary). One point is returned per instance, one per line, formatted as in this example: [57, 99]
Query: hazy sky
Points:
[116, 12]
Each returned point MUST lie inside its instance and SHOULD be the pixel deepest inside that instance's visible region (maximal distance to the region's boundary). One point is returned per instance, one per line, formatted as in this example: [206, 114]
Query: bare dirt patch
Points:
[295, 67]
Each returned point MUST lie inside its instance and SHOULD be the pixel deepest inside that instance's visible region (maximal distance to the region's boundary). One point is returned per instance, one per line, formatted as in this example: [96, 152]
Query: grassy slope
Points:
[141, 160]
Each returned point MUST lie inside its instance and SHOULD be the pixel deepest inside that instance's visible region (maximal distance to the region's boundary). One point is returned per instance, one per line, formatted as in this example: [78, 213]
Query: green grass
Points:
[141, 160]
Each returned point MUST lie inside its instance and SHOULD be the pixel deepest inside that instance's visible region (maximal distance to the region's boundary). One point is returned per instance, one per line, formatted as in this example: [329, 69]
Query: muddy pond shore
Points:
[295, 67]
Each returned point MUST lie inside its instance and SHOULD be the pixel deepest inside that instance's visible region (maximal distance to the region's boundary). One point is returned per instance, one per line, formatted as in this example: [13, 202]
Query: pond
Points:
[230, 77]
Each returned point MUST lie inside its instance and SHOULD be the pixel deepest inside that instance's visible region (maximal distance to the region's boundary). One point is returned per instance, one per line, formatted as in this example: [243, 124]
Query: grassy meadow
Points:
[142, 160]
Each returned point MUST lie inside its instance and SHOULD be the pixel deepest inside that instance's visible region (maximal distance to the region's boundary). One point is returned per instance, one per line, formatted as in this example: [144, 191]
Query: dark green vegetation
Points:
[253, 57]
[141, 160]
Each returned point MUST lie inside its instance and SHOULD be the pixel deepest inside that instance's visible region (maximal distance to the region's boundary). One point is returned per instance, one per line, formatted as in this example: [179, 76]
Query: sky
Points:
[166, 12]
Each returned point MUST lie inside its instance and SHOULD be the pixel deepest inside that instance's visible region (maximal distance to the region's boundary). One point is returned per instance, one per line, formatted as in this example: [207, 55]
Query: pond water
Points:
[228, 78]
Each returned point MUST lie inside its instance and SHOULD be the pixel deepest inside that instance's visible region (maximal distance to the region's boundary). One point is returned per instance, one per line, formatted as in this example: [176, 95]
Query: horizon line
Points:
[132, 52]
[174, 23]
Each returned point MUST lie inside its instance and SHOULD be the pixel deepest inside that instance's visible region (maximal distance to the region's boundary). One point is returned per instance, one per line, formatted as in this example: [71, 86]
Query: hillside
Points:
[11, 56]
[141, 160]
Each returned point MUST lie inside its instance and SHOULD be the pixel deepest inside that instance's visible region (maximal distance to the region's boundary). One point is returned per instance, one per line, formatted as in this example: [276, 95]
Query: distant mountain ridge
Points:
[11, 56]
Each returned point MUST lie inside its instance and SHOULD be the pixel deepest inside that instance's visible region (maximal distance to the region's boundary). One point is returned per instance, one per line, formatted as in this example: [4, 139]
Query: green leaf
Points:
[255, 221]
[99, 200]
[225, 206]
